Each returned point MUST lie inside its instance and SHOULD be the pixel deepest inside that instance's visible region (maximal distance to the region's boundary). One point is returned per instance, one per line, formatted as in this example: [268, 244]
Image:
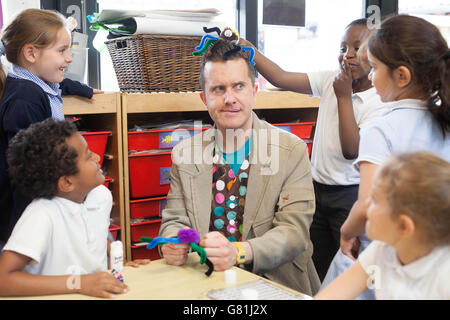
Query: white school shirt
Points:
[423, 279]
[328, 164]
[64, 237]
[407, 127]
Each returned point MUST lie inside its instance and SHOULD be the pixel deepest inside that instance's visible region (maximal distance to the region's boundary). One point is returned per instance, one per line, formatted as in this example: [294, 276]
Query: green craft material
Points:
[208, 43]
[193, 245]
[146, 239]
[125, 30]
[200, 251]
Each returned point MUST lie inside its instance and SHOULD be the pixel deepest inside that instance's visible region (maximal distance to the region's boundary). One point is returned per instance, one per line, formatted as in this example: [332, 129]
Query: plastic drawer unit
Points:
[149, 174]
[97, 142]
[150, 207]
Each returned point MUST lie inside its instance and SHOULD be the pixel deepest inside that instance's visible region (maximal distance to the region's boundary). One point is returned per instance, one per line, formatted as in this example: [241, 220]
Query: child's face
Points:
[53, 60]
[352, 39]
[380, 225]
[363, 60]
[382, 79]
[89, 174]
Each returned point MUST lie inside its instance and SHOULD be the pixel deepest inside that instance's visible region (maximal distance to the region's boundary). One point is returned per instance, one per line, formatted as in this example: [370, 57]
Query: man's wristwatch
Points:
[242, 255]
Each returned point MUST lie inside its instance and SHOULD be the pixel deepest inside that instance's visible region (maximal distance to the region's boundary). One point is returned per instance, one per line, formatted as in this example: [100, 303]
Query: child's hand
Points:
[343, 82]
[350, 247]
[136, 263]
[102, 285]
[96, 91]
[244, 43]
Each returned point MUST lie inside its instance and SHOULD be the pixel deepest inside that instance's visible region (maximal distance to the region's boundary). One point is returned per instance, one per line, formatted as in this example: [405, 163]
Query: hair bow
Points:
[2, 48]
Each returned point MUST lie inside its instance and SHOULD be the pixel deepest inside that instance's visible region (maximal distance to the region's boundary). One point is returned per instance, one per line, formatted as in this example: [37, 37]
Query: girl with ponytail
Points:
[410, 62]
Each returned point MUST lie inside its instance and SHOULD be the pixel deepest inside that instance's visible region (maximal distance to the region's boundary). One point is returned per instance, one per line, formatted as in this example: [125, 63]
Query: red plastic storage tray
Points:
[149, 174]
[151, 207]
[141, 252]
[309, 144]
[108, 180]
[145, 229]
[97, 142]
[159, 139]
[114, 229]
[300, 129]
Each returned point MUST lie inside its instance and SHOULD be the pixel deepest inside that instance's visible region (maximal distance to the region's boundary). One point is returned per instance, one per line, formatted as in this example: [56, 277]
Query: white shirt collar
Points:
[407, 104]
[419, 268]
[75, 208]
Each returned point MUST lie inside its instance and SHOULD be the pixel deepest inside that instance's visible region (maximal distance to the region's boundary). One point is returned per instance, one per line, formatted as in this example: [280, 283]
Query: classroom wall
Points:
[12, 7]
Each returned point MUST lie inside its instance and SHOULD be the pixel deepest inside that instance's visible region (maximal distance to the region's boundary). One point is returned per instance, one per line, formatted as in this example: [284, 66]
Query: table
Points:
[160, 281]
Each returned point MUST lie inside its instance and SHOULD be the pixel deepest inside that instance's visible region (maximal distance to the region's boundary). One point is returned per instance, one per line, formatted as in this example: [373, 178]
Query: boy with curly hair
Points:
[64, 230]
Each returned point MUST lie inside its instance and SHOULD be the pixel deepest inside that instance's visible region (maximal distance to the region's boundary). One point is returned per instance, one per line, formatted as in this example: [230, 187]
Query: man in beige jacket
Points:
[256, 211]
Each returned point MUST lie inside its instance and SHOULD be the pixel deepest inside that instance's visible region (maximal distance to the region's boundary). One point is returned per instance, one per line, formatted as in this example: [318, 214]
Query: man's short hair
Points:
[39, 155]
[221, 51]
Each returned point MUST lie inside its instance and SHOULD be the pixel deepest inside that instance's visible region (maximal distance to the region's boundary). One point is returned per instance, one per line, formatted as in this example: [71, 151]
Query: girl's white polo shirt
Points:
[408, 126]
[64, 237]
[328, 164]
[425, 278]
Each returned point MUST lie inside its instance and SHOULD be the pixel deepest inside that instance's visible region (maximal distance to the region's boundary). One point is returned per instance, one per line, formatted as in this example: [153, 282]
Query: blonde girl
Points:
[408, 218]
[37, 44]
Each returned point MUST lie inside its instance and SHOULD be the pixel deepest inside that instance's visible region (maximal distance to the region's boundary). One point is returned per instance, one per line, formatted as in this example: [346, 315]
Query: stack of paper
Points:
[168, 22]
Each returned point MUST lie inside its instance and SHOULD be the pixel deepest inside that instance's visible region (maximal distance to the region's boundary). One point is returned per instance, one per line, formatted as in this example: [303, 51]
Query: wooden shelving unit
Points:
[104, 114]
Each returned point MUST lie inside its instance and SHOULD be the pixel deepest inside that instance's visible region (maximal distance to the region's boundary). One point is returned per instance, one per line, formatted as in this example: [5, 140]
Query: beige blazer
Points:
[279, 205]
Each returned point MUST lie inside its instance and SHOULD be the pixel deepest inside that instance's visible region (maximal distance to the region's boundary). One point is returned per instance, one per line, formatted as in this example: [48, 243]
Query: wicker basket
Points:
[155, 63]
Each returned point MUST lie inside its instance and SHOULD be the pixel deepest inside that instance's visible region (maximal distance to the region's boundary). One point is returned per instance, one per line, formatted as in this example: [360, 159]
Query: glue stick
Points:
[116, 259]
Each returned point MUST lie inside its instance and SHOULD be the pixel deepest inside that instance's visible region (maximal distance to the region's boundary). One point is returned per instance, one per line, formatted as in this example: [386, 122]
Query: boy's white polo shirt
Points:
[64, 237]
[328, 164]
[425, 278]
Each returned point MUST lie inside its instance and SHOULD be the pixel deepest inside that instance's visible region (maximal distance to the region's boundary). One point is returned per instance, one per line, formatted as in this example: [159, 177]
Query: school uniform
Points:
[335, 180]
[426, 278]
[407, 127]
[26, 100]
[62, 236]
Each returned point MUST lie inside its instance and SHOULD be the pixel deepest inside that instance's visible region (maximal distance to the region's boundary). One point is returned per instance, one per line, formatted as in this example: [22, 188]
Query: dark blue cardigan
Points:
[22, 104]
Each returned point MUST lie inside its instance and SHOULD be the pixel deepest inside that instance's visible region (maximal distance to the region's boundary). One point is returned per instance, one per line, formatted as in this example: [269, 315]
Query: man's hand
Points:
[174, 253]
[221, 252]
[342, 84]
[102, 285]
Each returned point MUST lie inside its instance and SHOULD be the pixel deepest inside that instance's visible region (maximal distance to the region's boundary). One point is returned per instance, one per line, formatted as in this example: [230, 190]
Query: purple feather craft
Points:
[188, 235]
